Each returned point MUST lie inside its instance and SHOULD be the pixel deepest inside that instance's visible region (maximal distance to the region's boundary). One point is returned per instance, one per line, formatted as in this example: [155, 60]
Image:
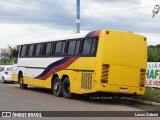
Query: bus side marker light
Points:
[107, 32]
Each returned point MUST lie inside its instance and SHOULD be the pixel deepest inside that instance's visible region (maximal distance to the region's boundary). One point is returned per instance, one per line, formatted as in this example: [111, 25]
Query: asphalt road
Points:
[12, 98]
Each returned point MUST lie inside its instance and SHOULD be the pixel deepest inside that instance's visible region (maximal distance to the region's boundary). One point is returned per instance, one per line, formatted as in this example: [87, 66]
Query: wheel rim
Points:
[20, 82]
[56, 86]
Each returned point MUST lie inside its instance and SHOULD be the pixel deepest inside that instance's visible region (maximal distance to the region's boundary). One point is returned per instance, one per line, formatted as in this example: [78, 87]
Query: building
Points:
[4, 53]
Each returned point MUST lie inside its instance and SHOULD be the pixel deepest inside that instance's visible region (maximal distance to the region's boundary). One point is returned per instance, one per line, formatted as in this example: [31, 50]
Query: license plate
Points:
[123, 89]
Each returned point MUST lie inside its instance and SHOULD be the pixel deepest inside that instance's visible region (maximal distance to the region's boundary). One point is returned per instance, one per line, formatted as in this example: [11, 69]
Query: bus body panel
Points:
[124, 48]
[125, 61]
[118, 66]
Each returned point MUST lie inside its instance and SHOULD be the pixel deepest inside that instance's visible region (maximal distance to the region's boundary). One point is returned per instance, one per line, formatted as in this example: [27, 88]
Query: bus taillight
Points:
[107, 32]
[142, 77]
[105, 65]
[143, 70]
[105, 72]
[142, 84]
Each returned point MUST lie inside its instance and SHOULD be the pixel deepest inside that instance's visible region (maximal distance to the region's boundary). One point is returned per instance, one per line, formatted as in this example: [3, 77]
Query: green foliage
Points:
[11, 52]
[8, 60]
[154, 53]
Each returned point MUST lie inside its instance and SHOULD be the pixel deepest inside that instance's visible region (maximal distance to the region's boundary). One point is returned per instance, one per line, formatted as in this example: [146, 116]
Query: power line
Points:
[118, 10]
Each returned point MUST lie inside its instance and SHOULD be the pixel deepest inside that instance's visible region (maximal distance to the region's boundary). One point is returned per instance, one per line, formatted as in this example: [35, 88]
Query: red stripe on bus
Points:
[58, 68]
[96, 33]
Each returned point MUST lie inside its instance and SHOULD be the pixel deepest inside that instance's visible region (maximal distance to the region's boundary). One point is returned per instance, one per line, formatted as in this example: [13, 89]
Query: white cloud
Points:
[12, 34]
[30, 19]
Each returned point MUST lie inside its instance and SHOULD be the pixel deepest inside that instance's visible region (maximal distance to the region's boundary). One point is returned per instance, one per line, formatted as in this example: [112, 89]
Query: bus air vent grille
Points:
[86, 80]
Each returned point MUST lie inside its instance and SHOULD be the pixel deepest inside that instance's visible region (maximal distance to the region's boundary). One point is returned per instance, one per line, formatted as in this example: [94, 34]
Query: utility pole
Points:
[78, 17]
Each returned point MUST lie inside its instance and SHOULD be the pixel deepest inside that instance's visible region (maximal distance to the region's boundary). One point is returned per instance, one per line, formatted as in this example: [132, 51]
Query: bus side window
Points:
[71, 47]
[23, 51]
[52, 52]
[94, 45]
[34, 50]
[86, 48]
[58, 48]
[43, 49]
[63, 48]
[48, 49]
[27, 50]
[89, 46]
[77, 47]
[38, 48]
[31, 48]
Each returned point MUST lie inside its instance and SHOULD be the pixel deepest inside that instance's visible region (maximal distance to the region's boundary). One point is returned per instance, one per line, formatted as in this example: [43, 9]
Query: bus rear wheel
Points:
[66, 89]
[22, 85]
[57, 87]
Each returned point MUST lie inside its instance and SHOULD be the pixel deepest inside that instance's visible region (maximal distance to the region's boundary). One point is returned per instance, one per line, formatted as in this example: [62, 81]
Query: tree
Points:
[11, 52]
[154, 53]
[7, 57]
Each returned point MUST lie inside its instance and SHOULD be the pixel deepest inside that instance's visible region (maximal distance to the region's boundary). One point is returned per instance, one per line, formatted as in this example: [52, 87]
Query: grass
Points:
[151, 94]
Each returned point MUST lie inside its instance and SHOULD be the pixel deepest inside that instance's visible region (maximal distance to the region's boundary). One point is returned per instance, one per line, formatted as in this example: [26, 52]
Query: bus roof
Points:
[68, 36]
[57, 37]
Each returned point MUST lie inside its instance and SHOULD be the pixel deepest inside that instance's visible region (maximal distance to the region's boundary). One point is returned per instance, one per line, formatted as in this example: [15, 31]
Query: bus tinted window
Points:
[89, 46]
[38, 50]
[77, 47]
[87, 43]
[71, 47]
[52, 48]
[23, 51]
[31, 50]
[34, 50]
[43, 49]
[94, 45]
[48, 49]
[63, 48]
[58, 48]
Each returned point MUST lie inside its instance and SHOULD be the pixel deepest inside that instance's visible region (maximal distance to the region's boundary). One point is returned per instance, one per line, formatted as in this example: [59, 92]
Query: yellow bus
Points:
[106, 61]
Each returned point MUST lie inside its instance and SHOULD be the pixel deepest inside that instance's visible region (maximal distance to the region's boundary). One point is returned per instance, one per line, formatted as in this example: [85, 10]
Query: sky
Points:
[28, 20]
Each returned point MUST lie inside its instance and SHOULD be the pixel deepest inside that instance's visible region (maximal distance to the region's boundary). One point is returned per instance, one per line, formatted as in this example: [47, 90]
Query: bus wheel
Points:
[66, 88]
[57, 87]
[22, 85]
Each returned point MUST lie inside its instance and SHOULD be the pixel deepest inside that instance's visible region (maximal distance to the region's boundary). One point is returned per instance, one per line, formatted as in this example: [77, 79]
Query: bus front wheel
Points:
[22, 85]
[66, 88]
[57, 87]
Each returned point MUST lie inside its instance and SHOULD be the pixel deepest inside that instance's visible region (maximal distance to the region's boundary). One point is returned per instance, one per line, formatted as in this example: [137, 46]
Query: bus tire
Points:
[22, 85]
[57, 87]
[66, 89]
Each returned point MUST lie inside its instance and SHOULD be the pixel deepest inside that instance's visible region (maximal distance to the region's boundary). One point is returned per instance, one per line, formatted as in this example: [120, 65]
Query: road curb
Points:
[140, 101]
